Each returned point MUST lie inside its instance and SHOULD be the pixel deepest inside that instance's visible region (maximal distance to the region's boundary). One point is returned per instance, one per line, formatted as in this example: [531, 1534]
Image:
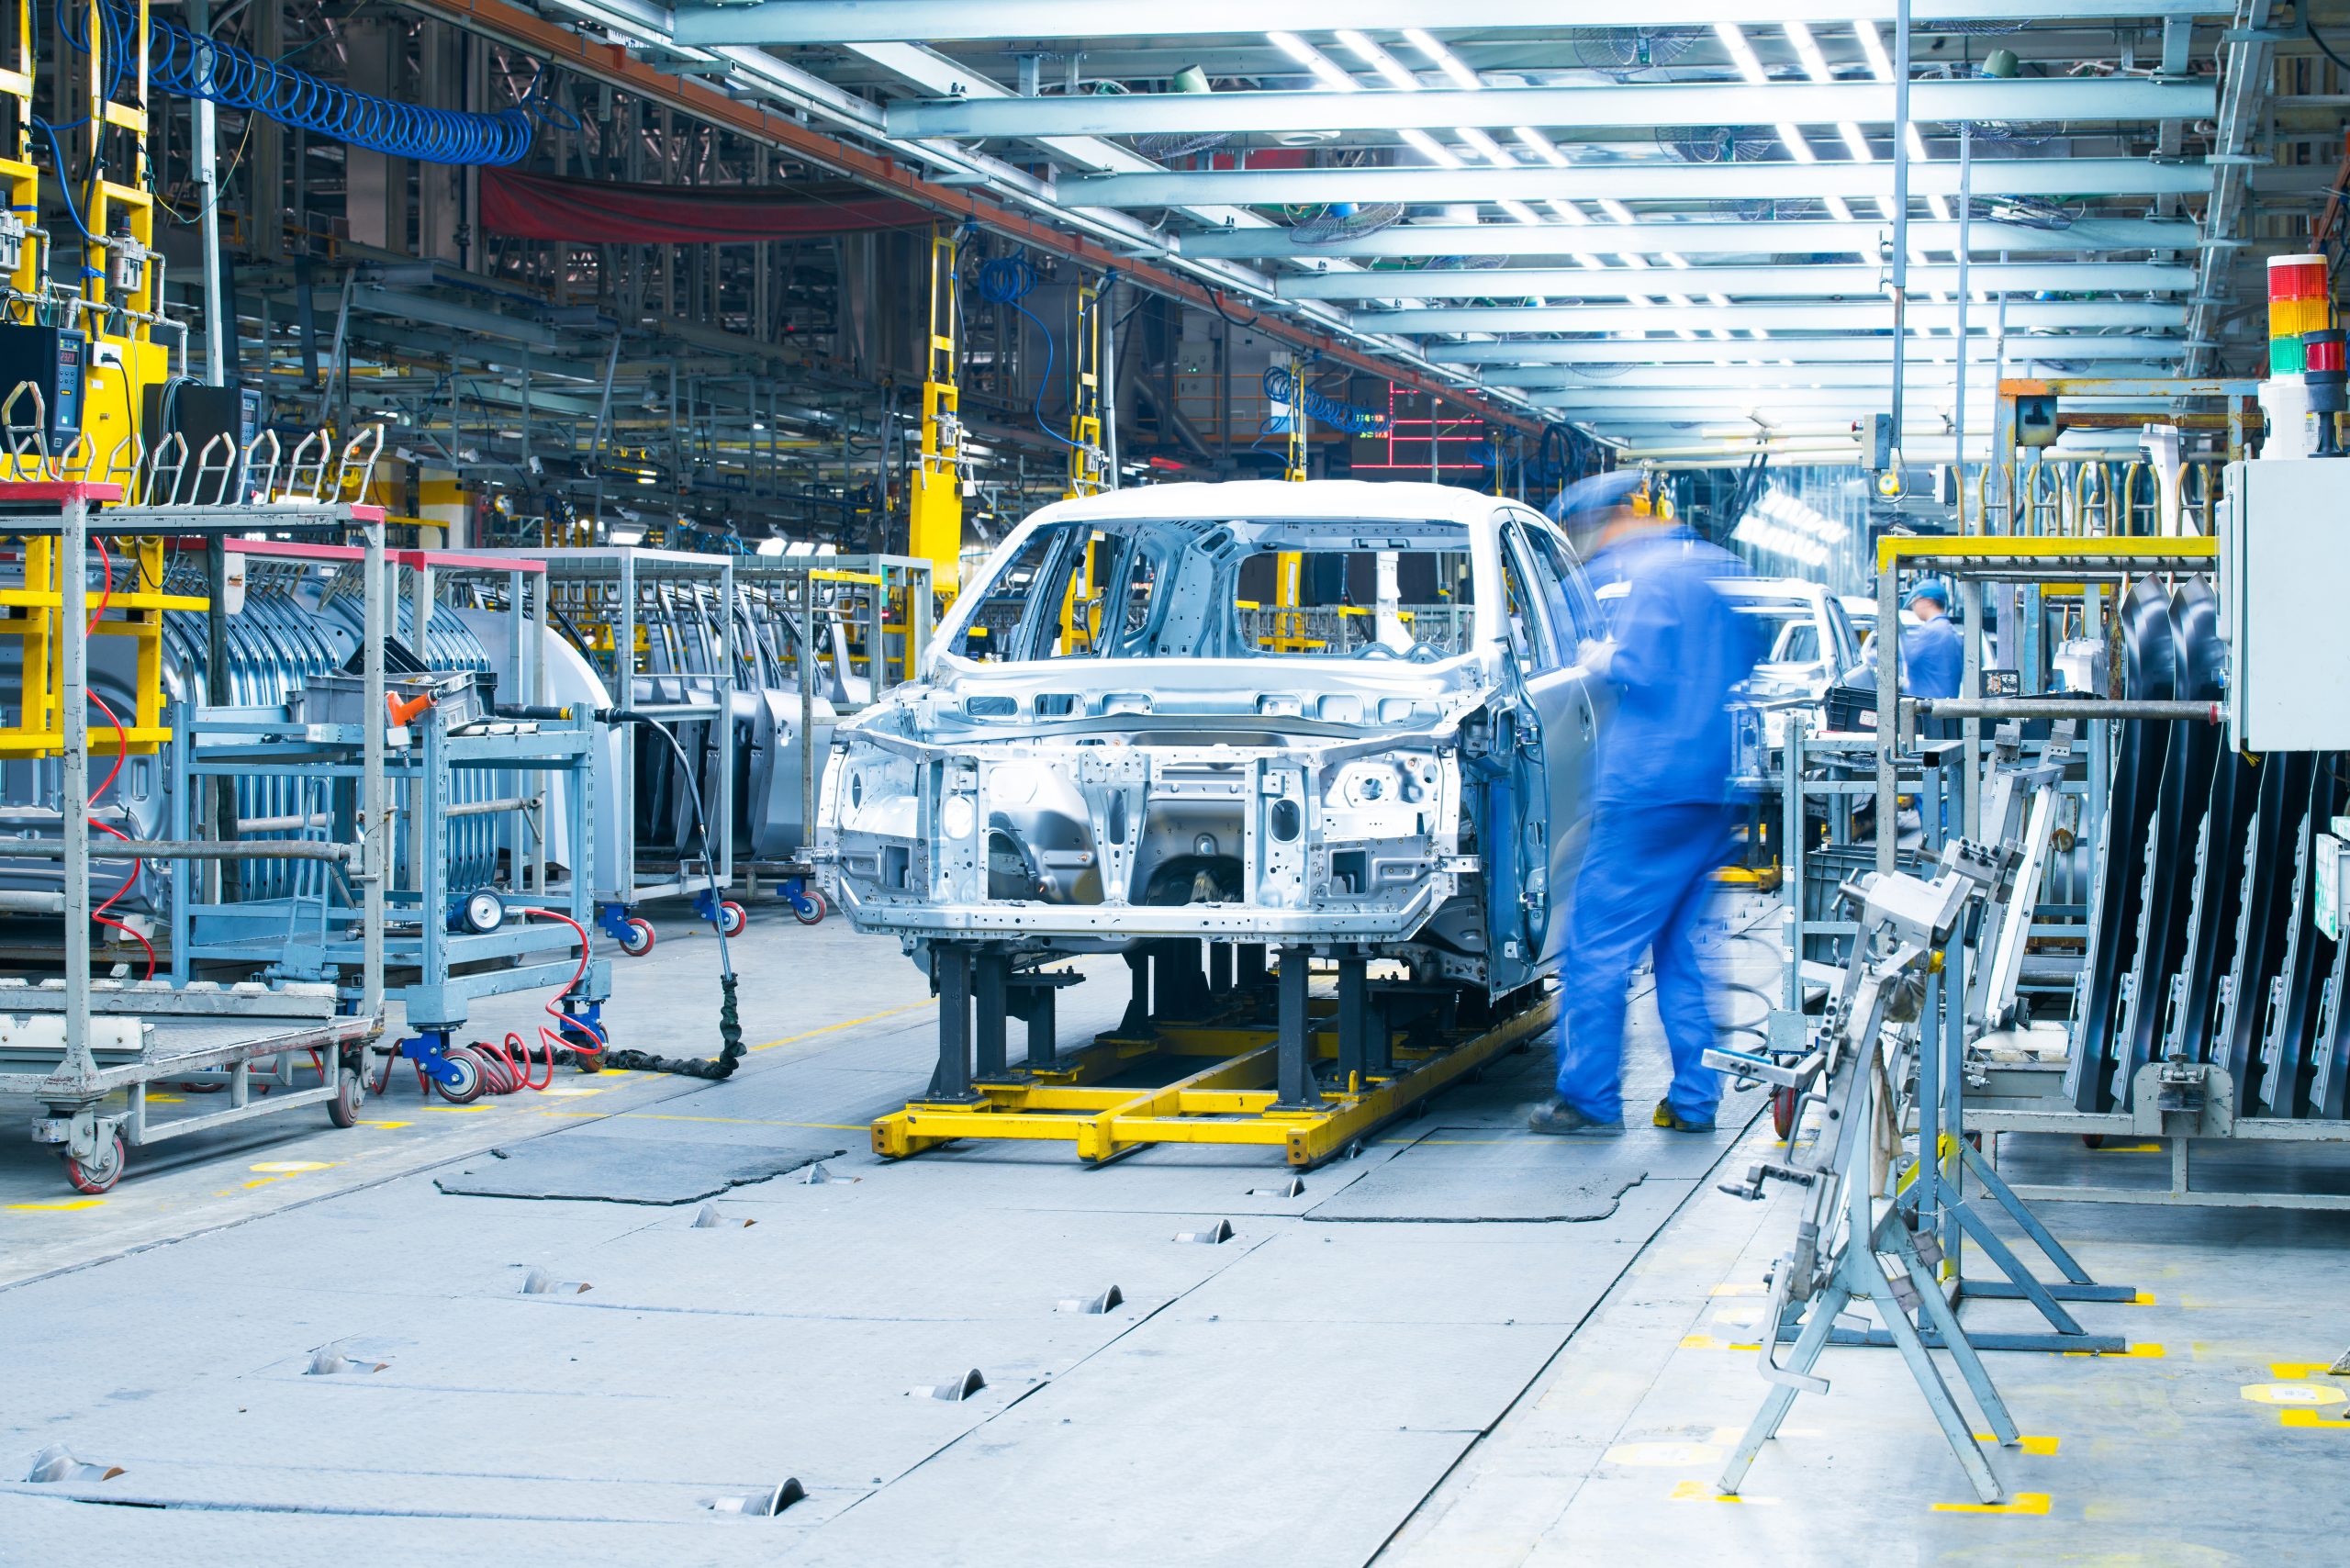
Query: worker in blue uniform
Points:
[1662, 819]
[1930, 652]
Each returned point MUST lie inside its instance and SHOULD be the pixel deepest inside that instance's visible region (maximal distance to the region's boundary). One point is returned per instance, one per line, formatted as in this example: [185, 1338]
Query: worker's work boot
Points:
[1562, 1120]
[1671, 1122]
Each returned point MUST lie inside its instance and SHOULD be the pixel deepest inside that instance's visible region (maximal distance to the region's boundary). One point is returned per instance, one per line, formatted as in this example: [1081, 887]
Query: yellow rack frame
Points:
[1230, 1100]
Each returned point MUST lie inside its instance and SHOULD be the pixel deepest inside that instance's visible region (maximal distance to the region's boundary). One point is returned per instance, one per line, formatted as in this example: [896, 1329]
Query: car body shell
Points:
[1431, 807]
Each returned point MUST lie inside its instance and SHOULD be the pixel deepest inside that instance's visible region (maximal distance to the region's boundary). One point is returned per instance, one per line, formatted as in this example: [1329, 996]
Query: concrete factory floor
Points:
[1455, 1388]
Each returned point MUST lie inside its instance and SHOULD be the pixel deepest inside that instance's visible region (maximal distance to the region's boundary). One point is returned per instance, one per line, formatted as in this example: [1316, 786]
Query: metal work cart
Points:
[73, 1045]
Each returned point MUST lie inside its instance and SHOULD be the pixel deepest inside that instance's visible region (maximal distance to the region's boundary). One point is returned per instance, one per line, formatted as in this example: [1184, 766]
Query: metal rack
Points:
[78, 1043]
[471, 787]
[612, 601]
[2014, 1080]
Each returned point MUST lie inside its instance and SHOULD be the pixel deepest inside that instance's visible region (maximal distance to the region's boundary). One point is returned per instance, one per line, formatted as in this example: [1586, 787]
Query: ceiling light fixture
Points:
[1435, 151]
[1443, 59]
[1325, 69]
[1390, 68]
[1541, 146]
[1485, 147]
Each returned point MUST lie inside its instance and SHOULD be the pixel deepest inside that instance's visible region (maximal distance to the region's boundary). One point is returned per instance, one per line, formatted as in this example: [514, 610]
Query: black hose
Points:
[730, 1025]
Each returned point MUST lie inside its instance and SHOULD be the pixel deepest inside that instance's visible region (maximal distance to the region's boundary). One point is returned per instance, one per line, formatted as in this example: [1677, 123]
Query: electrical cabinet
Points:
[2284, 564]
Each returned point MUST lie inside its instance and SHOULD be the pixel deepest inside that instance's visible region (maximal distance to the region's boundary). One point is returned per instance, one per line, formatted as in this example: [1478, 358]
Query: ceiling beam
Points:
[999, 198]
[1841, 317]
[2070, 99]
[1707, 382]
[884, 21]
[1530, 363]
[1699, 238]
[1783, 281]
[1656, 181]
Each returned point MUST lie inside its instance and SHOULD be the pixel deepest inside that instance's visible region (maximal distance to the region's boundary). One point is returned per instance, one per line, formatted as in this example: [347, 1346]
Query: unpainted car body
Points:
[1338, 715]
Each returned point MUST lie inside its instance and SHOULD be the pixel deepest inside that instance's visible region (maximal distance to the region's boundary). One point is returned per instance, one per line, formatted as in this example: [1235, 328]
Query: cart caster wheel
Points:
[732, 918]
[2092, 1140]
[639, 940]
[467, 1086]
[809, 909]
[102, 1173]
[351, 1092]
[1783, 1112]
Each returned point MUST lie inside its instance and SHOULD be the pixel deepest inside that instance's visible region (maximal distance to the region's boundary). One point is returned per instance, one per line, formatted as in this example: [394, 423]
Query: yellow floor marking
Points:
[2135, 1354]
[1698, 1492]
[456, 1110]
[167, 1099]
[1738, 1317]
[2144, 1298]
[2025, 1503]
[567, 1091]
[388, 1124]
[2294, 1371]
[1737, 1289]
[1712, 1342]
[1663, 1454]
[2311, 1419]
[2303, 1394]
[2039, 1447]
[61, 1206]
[2128, 1149]
[287, 1167]
[845, 1023]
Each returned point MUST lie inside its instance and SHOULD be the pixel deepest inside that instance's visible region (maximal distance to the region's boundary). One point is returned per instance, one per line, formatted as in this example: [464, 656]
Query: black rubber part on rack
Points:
[2235, 795]
[2266, 918]
[2285, 1052]
[2182, 801]
[2330, 1046]
[2150, 669]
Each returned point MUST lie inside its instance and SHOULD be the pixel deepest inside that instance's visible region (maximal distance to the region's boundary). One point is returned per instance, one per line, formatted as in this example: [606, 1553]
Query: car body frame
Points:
[1120, 737]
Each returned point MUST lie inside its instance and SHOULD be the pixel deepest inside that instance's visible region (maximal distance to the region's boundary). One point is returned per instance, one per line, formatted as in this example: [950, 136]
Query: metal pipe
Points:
[1900, 281]
[207, 189]
[2010, 708]
[1958, 409]
[484, 808]
[188, 849]
[1107, 303]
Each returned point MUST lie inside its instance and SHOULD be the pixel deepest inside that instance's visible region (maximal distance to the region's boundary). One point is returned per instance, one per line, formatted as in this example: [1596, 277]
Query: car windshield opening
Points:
[1226, 588]
[1786, 632]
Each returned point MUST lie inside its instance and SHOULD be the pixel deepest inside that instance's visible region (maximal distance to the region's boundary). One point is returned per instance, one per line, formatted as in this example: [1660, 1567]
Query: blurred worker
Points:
[1662, 819]
[1930, 654]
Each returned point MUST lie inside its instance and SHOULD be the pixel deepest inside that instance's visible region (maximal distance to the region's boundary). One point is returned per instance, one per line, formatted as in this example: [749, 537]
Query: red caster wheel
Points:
[732, 918]
[639, 940]
[809, 909]
[1783, 1112]
[100, 1175]
[466, 1086]
[351, 1092]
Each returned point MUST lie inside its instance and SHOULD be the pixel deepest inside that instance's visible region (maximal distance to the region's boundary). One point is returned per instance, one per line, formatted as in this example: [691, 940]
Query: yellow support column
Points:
[1087, 469]
[1289, 566]
[120, 293]
[935, 511]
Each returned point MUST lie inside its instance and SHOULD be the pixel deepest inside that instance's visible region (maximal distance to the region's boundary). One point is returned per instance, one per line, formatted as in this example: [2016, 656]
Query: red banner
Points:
[538, 207]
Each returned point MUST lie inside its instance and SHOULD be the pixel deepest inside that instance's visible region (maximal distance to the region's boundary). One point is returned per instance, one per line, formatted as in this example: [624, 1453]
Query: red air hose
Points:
[121, 754]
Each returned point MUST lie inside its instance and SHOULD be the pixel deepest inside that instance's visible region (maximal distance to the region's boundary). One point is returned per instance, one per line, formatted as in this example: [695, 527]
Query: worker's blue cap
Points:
[1931, 588]
[1587, 500]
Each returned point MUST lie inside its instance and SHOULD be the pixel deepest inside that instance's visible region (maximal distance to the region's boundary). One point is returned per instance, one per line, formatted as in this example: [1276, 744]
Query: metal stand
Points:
[1849, 1225]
